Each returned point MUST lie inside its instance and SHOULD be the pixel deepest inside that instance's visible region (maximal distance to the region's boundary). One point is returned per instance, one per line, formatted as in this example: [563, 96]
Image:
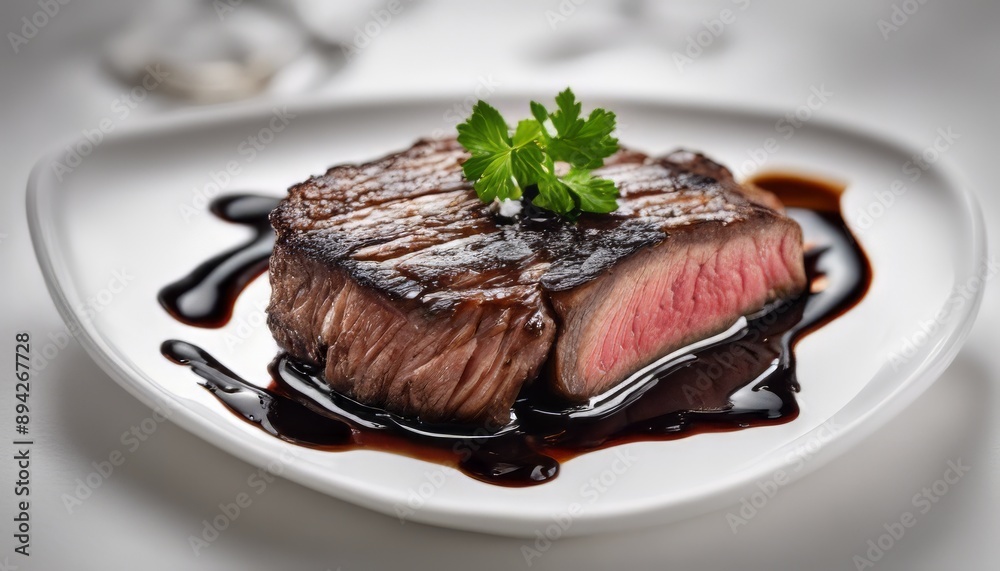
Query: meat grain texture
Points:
[411, 295]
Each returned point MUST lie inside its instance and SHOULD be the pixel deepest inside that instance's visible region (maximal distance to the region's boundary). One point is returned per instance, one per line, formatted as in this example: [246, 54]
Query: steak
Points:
[412, 295]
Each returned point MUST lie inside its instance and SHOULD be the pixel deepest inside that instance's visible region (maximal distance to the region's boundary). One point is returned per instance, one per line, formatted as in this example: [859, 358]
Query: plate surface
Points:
[114, 222]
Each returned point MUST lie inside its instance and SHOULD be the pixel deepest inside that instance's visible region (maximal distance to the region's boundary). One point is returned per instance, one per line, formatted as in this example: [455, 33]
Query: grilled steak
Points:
[413, 296]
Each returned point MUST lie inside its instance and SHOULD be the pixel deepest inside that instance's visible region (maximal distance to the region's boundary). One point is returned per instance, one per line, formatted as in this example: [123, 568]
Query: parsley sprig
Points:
[504, 164]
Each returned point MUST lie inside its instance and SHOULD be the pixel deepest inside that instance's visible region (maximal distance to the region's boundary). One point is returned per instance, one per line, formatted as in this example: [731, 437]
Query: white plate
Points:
[127, 208]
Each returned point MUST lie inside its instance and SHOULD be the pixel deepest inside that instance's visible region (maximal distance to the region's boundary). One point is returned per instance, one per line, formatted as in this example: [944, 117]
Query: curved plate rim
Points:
[699, 500]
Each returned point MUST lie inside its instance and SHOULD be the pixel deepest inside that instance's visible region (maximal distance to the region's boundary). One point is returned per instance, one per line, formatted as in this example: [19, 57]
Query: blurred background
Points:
[902, 69]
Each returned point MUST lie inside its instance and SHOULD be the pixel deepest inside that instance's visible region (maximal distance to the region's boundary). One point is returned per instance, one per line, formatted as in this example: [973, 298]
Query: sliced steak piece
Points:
[411, 295]
[727, 254]
[466, 365]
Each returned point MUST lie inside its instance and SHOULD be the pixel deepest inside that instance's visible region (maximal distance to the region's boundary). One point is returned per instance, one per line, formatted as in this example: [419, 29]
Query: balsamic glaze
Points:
[278, 416]
[205, 297]
[742, 378]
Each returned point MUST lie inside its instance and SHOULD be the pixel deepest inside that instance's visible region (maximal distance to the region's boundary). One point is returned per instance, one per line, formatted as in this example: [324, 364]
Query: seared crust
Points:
[412, 295]
[410, 226]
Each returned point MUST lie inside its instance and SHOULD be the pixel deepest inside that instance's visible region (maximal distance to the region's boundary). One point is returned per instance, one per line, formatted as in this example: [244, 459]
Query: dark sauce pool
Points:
[206, 296]
[742, 378]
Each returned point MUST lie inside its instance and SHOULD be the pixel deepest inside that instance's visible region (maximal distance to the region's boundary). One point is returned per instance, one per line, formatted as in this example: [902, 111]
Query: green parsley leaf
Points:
[485, 131]
[540, 113]
[503, 165]
[583, 144]
[554, 195]
[499, 167]
[528, 162]
[568, 112]
[593, 194]
[494, 176]
[528, 131]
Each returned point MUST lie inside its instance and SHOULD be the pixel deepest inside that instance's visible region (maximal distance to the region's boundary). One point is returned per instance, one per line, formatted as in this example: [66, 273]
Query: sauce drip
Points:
[278, 416]
[205, 297]
[741, 378]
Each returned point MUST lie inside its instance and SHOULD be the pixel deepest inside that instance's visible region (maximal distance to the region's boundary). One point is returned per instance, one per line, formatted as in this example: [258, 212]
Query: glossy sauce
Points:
[205, 297]
[743, 378]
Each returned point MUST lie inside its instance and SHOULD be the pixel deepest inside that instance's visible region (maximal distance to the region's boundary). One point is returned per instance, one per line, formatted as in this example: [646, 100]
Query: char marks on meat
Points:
[412, 295]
